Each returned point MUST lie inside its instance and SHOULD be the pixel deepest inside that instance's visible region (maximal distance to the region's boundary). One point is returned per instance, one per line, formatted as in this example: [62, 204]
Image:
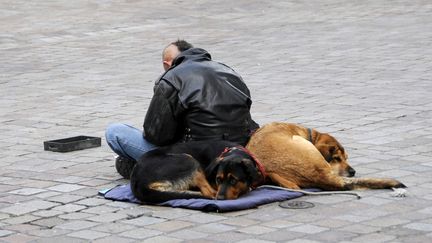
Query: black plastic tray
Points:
[72, 144]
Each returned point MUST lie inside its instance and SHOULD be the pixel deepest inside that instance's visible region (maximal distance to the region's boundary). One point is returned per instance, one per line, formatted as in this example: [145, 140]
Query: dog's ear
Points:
[211, 169]
[251, 170]
[327, 151]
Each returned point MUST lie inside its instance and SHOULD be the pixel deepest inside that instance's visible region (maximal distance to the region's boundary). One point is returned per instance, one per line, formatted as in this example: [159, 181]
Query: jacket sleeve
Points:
[161, 123]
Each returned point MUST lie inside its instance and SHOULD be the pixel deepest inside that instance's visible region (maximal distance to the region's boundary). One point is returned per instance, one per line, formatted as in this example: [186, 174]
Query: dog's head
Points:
[233, 173]
[334, 154]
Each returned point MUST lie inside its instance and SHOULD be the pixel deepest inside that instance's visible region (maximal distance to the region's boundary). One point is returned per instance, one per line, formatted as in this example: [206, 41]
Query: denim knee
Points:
[114, 134]
[113, 131]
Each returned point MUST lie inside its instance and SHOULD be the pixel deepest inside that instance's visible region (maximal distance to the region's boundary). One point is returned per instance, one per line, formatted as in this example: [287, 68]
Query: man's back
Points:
[212, 102]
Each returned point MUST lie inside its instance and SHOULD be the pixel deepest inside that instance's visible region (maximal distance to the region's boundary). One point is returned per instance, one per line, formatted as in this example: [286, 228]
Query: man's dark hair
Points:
[182, 45]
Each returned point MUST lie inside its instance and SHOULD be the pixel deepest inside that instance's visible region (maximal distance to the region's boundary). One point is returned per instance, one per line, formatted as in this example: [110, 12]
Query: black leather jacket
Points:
[199, 99]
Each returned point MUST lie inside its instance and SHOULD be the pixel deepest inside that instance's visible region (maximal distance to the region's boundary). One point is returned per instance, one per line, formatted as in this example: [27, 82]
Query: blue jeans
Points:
[127, 141]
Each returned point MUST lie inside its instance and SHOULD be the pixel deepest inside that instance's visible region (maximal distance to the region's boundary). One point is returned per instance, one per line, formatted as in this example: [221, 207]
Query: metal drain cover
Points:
[296, 204]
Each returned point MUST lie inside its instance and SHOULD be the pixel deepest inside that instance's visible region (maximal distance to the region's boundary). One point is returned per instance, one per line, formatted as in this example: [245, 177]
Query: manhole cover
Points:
[296, 204]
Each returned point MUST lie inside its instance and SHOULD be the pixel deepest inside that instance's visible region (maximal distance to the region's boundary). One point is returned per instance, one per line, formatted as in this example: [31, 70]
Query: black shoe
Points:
[124, 166]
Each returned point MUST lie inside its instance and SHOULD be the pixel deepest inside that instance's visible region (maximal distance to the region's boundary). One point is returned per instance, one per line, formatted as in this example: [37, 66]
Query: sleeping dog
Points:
[218, 169]
[295, 158]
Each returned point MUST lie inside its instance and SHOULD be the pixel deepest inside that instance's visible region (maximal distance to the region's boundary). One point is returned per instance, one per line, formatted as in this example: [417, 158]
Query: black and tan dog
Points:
[218, 169]
[295, 157]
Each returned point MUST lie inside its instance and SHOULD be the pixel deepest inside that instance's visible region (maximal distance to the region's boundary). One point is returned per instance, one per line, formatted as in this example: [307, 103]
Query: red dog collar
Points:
[258, 164]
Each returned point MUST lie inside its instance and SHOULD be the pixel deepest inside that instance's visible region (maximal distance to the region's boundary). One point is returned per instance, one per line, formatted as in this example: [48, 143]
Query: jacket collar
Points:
[193, 54]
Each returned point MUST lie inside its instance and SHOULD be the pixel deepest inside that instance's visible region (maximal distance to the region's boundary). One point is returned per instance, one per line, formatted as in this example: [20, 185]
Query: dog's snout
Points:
[351, 171]
[220, 197]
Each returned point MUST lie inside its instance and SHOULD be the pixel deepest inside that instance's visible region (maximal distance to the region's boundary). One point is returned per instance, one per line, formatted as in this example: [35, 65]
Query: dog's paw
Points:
[399, 192]
[209, 192]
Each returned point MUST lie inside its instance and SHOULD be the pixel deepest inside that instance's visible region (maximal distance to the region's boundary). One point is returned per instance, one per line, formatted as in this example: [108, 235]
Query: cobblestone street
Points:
[360, 70]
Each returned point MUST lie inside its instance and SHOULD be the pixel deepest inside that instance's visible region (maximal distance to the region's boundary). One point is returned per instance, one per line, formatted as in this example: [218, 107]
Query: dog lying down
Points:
[282, 154]
[295, 157]
[218, 169]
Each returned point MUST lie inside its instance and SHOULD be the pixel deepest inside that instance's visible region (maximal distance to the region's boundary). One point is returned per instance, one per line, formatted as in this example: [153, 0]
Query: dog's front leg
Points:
[201, 182]
[280, 181]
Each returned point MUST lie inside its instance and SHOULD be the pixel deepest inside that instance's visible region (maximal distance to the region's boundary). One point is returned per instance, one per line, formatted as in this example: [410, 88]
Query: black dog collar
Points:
[310, 135]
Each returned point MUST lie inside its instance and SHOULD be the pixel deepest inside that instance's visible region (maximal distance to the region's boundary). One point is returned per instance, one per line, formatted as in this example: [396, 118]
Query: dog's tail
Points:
[351, 183]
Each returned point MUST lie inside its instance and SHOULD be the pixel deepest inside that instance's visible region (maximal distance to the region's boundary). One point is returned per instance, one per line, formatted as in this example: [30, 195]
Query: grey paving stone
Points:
[18, 238]
[386, 222]
[65, 239]
[75, 215]
[203, 218]
[172, 225]
[256, 230]
[5, 233]
[27, 207]
[114, 228]
[162, 239]
[76, 225]
[332, 236]
[419, 226]
[143, 221]
[187, 235]
[20, 219]
[27, 191]
[98, 209]
[140, 233]
[92, 202]
[375, 238]
[308, 229]
[88, 234]
[114, 239]
[304, 241]
[164, 214]
[360, 229]
[358, 70]
[107, 217]
[4, 216]
[230, 236]
[213, 228]
[49, 222]
[47, 194]
[255, 241]
[281, 235]
[65, 187]
[68, 208]
[24, 227]
[13, 199]
[237, 221]
[48, 233]
[65, 198]
[47, 213]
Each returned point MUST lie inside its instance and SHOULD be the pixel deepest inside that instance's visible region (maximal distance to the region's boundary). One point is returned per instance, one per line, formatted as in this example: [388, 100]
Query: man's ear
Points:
[327, 151]
[166, 65]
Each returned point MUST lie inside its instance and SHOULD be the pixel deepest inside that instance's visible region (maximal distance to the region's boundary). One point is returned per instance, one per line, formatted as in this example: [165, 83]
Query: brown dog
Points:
[296, 158]
[327, 145]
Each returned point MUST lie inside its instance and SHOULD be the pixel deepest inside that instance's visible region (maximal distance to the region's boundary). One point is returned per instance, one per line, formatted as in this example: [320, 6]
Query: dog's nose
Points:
[351, 171]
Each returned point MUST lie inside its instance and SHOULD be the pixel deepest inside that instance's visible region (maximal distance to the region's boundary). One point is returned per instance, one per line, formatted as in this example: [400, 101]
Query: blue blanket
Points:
[251, 200]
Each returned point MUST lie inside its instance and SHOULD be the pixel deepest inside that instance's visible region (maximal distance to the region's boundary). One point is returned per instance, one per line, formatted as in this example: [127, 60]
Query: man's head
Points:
[172, 51]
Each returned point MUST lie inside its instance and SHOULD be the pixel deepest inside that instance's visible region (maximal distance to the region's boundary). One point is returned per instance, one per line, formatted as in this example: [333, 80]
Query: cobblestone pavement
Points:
[361, 70]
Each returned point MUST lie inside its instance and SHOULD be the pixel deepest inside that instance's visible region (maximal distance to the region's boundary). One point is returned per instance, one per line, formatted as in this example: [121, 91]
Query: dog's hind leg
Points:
[283, 182]
[291, 186]
[371, 183]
